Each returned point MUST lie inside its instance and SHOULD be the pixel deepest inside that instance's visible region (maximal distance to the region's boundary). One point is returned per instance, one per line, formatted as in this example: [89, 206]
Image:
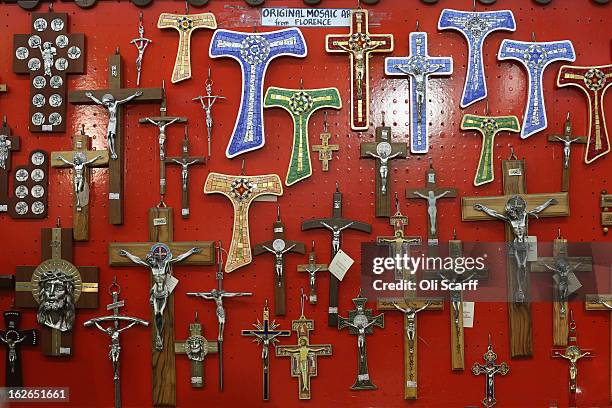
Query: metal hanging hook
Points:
[512, 155]
[382, 113]
[559, 233]
[242, 168]
[209, 78]
[83, 129]
[162, 203]
[186, 6]
[430, 163]
[454, 233]
[359, 4]
[58, 223]
[197, 318]
[278, 213]
[255, 27]
[114, 285]
[313, 245]
[487, 111]
[397, 204]
[324, 121]
[117, 50]
[337, 187]
[490, 341]
[533, 36]
[301, 83]
[568, 116]
[572, 323]
[474, 6]
[50, 7]
[4, 120]
[140, 18]
[417, 25]
[266, 304]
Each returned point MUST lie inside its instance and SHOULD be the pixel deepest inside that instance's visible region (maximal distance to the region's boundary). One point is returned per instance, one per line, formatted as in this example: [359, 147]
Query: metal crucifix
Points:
[490, 369]
[141, 44]
[207, 102]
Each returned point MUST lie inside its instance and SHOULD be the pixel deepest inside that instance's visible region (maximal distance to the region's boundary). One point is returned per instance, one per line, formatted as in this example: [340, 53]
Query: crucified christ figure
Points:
[432, 210]
[79, 163]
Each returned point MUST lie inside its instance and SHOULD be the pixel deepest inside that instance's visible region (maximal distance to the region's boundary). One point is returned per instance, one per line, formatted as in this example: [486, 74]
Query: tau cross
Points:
[514, 208]
[383, 150]
[312, 267]
[303, 355]
[13, 339]
[594, 81]
[360, 322]
[490, 369]
[325, 150]
[207, 102]
[419, 66]
[196, 348]
[49, 55]
[359, 43]
[141, 44]
[185, 24]
[278, 247]
[266, 334]
[114, 331]
[535, 57]
[80, 160]
[567, 139]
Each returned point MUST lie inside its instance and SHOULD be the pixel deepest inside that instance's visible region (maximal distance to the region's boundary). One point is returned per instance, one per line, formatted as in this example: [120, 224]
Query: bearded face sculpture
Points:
[56, 306]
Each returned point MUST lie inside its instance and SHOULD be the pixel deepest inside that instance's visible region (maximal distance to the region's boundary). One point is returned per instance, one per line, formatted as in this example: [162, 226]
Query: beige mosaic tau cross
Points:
[241, 191]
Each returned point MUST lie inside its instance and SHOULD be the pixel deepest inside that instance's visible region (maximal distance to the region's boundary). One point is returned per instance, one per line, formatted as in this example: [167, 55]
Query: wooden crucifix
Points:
[359, 44]
[80, 159]
[514, 208]
[383, 150]
[605, 202]
[184, 160]
[49, 54]
[336, 224]
[432, 193]
[563, 267]
[278, 247]
[113, 100]
[567, 139]
[196, 348]
[162, 121]
[185, 24]
[8, 145]
[56, 288]
[325, 149]
[13, 338]
[312, 267]
[159, 255]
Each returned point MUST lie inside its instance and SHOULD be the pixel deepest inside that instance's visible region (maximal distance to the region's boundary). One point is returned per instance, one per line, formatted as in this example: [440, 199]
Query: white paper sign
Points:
[171, 283]
[305, 17]
[340, 264]
[468, 314]
[532, 251]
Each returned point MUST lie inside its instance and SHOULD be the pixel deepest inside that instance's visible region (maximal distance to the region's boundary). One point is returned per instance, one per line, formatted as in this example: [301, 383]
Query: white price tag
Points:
[313, 298]
[48, 128]
[113, 196]
[185, 211]
[340, 264]
[279, 229]
[171, 283]
[196, 380]
[3, 208]
[431, 178]
[532, 250]
[515, 172]
[468, 314]
[159, 221]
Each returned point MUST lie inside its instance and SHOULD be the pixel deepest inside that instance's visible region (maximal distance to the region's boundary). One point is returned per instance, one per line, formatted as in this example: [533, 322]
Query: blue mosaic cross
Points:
[475, 27]
[535, 57]
[254, 51]
[419, 66]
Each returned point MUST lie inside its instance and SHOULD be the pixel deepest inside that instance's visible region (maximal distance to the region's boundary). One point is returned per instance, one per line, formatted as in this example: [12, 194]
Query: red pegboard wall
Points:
[539, 381]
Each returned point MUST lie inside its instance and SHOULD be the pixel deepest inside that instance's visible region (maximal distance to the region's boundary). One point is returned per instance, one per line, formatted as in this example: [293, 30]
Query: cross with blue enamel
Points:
[535, 57]
[419, 66]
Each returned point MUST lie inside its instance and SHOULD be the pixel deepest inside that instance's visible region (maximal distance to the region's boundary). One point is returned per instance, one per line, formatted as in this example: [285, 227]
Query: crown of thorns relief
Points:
[60, 270]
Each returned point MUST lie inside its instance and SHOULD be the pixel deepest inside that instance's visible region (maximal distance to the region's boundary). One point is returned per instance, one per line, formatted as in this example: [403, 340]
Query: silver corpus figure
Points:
[109, 102]
[160, 261]
[278, 249]
[162, 135]
[141, 44]
[114, 331]
[567, 149]
[383, 154]
[517, 217]
[81, 189]
[48, 52]
[489, 369]
[411, 315]
[207, 102]
[336, 234]
[217, 296]
[12, 338]
[432, 210]
[185, 167]
[562, 269]
[5, 147]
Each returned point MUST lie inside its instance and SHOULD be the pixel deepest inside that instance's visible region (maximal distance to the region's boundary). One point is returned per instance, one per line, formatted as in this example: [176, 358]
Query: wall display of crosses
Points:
[163, 252]
[419, 66]
[266, 334]
[475, 28]
[278, 247]
[80, 160]
[535, 57]
[38, 287]
[113, 100]
[490, 369]
[254, 52]
[241, 191]
[48, 54]
[383, 150]
[488, 127]
[605, 202]
[515, 207]
[565, 282]
[325, 149]
[13, 338]
[185, 24]
[301, 105]
[567, 139]
[312, 267]
[359, 44]
[196, 348]
[594, 82]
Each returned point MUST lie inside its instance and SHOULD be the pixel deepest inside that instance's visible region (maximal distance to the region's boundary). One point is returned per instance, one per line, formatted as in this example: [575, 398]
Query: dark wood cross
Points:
[161, 231]
[116, 166]
[336, 224]
[266, 333]
[383, 150]
[13, 339]
[184, 160]
[514, 184]
[567, 139]
[49, 54]
[605, 202]
[432, 193]
[161, 122]
[312, 267]
[196, 347]
[325, 149]
[359, 44]
[35, 284]
[563, 268]
[278, 247]
[8, 145]
[84, 158]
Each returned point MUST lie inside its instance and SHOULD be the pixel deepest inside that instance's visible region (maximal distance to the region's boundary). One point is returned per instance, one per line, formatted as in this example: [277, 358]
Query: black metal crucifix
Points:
[13, 338]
